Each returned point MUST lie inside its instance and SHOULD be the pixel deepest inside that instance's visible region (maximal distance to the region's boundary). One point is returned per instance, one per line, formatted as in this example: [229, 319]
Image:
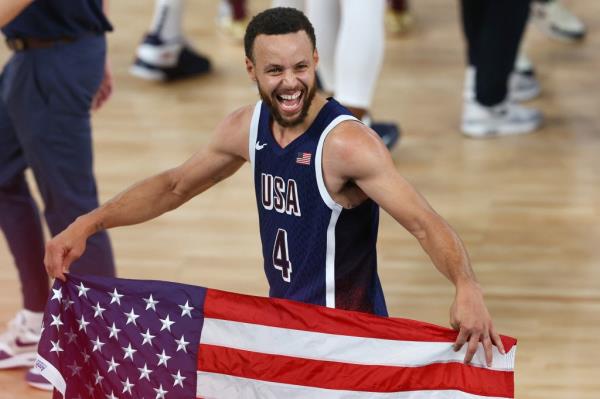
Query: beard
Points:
[272, 102]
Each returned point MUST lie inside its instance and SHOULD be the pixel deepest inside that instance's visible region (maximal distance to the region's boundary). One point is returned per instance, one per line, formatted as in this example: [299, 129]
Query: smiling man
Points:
[320, 176]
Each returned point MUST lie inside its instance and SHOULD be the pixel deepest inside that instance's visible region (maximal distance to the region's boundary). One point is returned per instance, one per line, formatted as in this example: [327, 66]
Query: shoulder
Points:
[351, 148]
[231, 134]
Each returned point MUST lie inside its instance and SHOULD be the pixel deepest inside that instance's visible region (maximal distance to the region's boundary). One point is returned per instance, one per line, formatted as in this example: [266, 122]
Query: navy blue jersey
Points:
[54, 19]
[314, 250]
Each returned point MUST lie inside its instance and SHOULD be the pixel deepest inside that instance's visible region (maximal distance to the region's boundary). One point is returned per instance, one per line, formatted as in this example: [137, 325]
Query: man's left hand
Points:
[471, 318]
[105, 90]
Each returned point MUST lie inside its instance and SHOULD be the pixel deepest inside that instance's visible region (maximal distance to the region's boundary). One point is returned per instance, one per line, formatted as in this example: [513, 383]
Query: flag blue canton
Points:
[107, 344]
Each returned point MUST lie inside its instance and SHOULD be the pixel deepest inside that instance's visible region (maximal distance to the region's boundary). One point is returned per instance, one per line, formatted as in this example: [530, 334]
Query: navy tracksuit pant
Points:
[45, 98]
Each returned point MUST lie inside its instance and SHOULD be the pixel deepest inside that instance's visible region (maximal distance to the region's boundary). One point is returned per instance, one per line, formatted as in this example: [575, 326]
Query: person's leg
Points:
[164, 54]
[359, 53]
[19, 216]
[20, 223]
[493, 32]
[52, 118]
[325, 18]
[501, 33]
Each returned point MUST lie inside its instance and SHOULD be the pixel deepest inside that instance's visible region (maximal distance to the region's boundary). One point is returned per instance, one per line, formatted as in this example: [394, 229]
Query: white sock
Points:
[33, 320]
[166, 23]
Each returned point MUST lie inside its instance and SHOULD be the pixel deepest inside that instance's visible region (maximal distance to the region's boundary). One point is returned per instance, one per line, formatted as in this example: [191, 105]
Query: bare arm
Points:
[152, 197]
[9, 9]
[358, 156]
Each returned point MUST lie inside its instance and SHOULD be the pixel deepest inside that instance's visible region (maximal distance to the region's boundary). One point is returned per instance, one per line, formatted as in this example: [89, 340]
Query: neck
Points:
[286, 134]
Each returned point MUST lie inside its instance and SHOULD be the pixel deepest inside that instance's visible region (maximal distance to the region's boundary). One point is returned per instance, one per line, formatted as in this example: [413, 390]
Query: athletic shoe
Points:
[35, 379]
[18, 344]
[554, 19]
[522, 85]
[505, 119]
[388, 131]
[160, 61]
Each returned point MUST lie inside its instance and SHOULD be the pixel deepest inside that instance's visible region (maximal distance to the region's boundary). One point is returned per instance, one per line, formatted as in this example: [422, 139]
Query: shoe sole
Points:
[483, 132]
[559, 34]
[20, 360]
[40, 386]
[147, 74]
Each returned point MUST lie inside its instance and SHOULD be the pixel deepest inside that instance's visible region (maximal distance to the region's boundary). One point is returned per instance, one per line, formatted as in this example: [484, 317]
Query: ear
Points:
[316, 58]
[251, 69]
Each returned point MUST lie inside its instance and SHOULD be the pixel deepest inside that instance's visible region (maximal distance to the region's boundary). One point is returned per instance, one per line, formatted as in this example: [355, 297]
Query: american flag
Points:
[303, 158]
[115, 338]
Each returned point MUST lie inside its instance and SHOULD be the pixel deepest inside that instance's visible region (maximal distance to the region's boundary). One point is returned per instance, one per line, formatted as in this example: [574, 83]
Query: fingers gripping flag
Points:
[115, 338]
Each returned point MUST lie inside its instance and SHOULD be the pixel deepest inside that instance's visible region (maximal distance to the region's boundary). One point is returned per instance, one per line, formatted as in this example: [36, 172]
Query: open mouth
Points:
[290, 103]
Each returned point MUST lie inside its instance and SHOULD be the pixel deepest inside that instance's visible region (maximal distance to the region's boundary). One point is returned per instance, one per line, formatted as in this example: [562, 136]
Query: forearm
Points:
[446, 250]
[143, 201]
[9, 9]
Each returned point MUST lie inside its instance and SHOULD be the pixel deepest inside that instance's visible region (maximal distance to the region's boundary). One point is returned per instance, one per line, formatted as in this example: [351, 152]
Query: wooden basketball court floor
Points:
[527, 207]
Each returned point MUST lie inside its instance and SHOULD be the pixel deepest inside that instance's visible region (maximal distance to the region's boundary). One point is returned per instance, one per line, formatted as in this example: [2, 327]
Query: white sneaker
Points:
[522, 85]
[554, 19]
[505, 119]
[35, 379]
[18, 344]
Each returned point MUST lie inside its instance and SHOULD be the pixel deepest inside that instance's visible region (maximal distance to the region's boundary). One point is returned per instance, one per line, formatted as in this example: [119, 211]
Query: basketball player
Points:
[320, 177]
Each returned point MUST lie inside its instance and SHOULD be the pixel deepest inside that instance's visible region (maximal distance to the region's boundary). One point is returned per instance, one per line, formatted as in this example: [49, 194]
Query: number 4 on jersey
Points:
[281, 259]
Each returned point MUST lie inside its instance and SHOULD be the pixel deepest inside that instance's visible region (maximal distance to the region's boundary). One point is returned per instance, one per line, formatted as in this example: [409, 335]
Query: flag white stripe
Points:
[220, 386]
[340, 348]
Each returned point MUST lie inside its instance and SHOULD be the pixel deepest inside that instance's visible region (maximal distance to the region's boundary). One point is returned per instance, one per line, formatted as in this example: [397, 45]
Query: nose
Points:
[289, 78]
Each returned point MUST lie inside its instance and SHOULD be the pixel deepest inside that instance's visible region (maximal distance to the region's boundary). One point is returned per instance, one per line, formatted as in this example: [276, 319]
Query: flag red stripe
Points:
[354, 377]
[300, 316]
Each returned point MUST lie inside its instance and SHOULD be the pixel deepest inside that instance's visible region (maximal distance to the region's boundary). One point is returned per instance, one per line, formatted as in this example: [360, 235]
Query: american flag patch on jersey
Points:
[303, 158]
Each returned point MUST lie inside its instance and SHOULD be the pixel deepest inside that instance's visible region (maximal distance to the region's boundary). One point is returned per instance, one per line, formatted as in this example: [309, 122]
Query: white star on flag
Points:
[75, 368]
[129, 351]
[145, 372]
[150, 303]
[148, 337]
[111, 396]
[178, 378]
[71, 336]
[127, 386]
[114, 331]
[56, 321]
[163, 358]
[160, 393]
[186, 309]
[97, 345]
[82, 290]
[67, 303]
[112, 365]
[115, 297]
[85, 355]
[98, 310]
[57, 294]
[131, 317]
[182, 344]
[166, 324]
[83, 324]
[98, 377]
[56, 347]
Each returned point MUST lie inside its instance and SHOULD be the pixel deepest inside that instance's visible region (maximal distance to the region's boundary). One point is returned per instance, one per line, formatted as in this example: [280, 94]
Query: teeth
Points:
[290, 96]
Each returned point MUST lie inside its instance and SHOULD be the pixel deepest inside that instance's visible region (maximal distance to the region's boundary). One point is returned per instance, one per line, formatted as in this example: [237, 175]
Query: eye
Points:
[301, 67]
[274, 70]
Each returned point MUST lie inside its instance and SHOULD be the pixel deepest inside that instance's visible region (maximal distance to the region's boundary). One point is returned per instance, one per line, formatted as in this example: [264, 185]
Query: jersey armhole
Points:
[329, 201]
[253, 133]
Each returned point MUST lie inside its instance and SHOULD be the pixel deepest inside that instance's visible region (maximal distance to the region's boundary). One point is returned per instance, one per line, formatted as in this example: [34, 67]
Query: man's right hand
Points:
[63, 250]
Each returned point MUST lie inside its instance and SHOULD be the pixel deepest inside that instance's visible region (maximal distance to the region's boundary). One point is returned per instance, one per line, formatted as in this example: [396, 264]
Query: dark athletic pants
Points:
[493, 30]
[45, 97]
